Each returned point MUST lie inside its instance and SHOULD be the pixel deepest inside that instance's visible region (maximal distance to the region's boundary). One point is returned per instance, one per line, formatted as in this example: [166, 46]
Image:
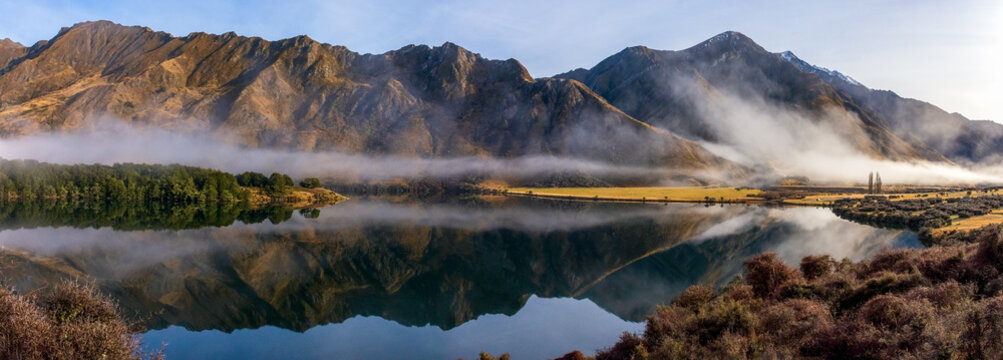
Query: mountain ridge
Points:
[640, 106]
[657, 86]
[298, 93]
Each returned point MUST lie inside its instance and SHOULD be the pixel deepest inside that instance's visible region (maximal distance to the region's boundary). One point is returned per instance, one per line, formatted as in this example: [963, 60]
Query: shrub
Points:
[574, 355]
[982, 337]
[73, 322]
[694, 297]
[25, 332]
[815, 266]
[766, 273]
[629, 347]
[488, 356]
[794, 322]
[310, 183]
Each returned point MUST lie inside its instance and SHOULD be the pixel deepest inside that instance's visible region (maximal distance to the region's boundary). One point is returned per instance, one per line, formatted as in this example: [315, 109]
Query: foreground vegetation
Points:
[70, 322]
[944, 302]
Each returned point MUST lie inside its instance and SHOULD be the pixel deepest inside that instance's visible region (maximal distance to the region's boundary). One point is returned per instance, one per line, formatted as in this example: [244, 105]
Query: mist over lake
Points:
[450, 272]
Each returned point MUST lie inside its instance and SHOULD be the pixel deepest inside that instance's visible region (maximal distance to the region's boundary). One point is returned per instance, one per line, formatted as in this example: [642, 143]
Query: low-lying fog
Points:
[815, 230]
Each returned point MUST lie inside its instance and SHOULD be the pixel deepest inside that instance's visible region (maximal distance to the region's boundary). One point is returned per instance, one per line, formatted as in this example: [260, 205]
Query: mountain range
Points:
[640, 106]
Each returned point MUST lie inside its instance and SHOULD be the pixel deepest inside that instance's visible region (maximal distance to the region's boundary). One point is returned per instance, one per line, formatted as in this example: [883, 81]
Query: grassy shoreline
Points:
[644, 194]
[296, 197]
[785, 196]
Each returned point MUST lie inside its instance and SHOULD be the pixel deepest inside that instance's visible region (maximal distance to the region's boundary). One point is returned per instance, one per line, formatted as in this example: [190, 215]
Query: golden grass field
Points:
[823, 198]
[975, 222]
[678, 194]
[744, 195]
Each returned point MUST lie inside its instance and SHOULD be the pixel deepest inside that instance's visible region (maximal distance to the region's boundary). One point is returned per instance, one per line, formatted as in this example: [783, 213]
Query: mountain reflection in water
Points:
[441, 263]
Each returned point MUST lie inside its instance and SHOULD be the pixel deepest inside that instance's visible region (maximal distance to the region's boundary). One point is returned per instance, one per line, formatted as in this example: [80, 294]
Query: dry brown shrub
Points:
[796, 320]
[574, 355]
[899, 260]
[72, 322]
[628, 348]
[982, 337]
[25, 332]
[694, 297]
[815, 266]
[895, 313]
[669, 322]
[766, 273]
[990, 248]
[739, 292]
[943, 295]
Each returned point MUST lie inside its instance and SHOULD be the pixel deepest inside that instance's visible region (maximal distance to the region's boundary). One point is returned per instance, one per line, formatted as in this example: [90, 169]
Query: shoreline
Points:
[753, 197]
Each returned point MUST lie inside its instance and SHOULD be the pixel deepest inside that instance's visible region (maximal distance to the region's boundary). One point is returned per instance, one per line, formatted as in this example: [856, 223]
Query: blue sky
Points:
[944, 52]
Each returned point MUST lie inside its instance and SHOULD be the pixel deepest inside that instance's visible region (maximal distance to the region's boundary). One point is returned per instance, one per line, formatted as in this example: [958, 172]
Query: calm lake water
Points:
[395, 278]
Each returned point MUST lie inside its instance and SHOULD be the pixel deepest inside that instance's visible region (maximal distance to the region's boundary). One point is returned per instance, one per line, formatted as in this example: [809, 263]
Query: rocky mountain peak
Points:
[7, 43]
[728, 41]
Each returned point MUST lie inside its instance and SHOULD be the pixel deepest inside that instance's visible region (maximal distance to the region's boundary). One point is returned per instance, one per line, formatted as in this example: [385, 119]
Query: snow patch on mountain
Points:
[817, 70]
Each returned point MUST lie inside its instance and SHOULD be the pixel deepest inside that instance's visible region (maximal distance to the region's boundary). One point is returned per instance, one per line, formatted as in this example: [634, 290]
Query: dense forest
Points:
[172, 184]
[31, 180]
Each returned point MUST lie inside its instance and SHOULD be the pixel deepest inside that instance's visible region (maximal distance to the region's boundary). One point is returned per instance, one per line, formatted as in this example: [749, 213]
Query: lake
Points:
[392, 277]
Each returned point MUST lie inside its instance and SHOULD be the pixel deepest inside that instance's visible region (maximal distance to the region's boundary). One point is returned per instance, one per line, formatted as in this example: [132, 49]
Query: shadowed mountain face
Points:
[953, 135]
[679, 90]
[297, 93]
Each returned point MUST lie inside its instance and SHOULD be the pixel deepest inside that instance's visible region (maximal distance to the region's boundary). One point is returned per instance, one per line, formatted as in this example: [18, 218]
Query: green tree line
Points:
[32, 180]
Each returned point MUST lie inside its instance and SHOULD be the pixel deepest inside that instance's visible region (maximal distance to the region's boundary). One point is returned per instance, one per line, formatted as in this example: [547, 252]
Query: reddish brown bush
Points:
[574, 355]
[982, 337]
[25, 332]
[895, 313]
[815, 266]
[990, 251]
[73, 322]
[628, 348]
[944, 295]
[766, 273]
[694, 297]
[794, 322]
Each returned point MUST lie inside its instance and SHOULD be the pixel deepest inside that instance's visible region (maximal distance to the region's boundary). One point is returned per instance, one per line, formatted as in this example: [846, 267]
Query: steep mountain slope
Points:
[9, 50]
[953, 135]
[690, 91]
[298, 93]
